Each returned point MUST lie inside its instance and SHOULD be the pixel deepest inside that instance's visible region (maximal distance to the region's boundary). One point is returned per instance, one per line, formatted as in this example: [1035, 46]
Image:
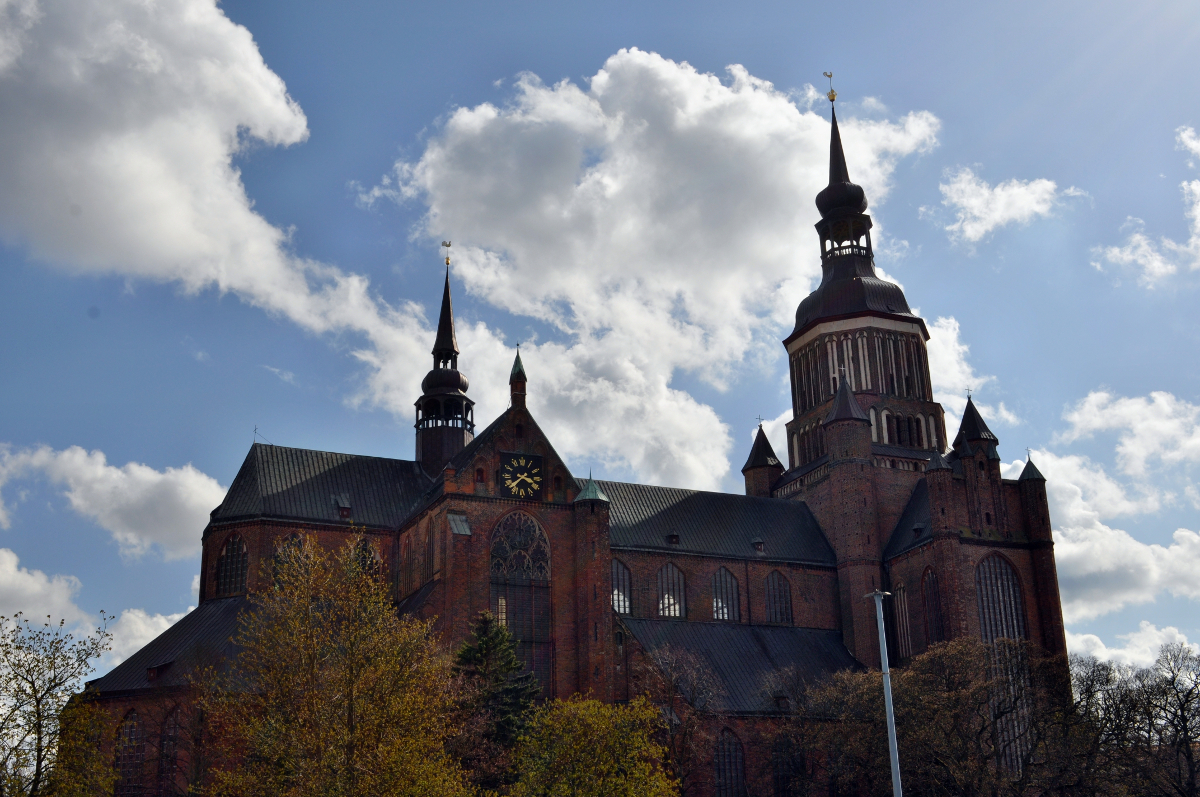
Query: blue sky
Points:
[217, 218]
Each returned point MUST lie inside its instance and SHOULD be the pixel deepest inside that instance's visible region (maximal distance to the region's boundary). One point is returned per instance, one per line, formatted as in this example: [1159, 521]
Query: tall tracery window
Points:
[168, 754]
[130, 757]
[671, 586]
[787, 768]
[1001, 607]
[935, 630]
[520, 582]
[725, 597]
[622, 592]
[779, 599]
[365, 557]
[729, 761]
[231, 567]
[903, 633]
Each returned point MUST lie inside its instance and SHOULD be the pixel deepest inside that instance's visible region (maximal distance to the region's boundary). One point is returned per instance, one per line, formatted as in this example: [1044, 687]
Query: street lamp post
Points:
[879, 595]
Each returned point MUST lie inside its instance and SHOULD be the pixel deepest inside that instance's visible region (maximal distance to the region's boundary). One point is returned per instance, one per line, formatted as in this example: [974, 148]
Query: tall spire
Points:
[445, 347]
[837, 158]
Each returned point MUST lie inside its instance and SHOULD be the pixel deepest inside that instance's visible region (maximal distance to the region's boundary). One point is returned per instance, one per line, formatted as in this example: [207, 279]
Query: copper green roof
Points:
[518, 370]
[591, 491]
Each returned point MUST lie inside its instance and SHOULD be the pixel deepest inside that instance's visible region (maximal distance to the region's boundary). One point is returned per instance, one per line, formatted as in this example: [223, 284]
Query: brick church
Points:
[591, 574]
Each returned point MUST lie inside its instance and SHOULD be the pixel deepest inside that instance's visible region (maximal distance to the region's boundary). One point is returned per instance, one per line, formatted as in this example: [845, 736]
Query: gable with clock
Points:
[521, 475]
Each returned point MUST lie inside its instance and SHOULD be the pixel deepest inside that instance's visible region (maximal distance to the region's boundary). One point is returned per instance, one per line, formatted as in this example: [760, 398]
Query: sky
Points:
[221, 223]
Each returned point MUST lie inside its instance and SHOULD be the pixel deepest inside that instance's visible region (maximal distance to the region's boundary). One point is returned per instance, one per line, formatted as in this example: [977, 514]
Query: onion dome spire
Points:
[445, 346]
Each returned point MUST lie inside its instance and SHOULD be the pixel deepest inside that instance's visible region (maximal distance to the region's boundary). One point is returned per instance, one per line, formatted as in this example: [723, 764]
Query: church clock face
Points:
[521, 475]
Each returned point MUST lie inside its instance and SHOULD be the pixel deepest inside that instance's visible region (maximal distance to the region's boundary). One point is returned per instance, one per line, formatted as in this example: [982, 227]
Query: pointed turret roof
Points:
[845, 406]
[937, 462]
[518, 370]
[446, 343]
[973, 427]
[838, 173]
[1031, 472]
[591, 491]
[762, 455]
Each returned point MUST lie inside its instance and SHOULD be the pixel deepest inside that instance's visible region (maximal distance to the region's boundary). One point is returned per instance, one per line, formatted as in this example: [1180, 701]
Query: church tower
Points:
[858, 328]
[445, 415]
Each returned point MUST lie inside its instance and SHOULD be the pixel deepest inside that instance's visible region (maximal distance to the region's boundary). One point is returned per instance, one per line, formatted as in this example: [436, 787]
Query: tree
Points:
[585, 748]
[685, 690]
[333, 693]
[1168, 741]
[41, 667]
[497, 693]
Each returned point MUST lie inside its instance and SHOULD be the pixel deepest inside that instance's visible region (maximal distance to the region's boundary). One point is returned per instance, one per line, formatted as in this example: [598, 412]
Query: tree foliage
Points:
[585, 748]
[41, 668]
[333, 693]
[976, 720]
[496, 694]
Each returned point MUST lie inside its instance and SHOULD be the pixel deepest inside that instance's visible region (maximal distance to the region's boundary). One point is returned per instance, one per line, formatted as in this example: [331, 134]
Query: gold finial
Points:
[447, 245]
[832, 95]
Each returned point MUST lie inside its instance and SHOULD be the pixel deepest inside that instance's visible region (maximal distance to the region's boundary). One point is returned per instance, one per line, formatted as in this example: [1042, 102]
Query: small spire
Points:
[1030, 472]
[762, 455]
[518, 370]
[845, 406]
[446, 343]
[937, 462]
[837, 158]
[973, 426]
[591, 491]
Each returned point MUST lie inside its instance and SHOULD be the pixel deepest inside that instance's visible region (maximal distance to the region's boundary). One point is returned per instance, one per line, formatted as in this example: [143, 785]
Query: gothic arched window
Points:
[1001, 607]
[787, 767]
[520, 582]
[779, 599]
[621, 588]
[130, 756]
[168, 753]
[725, 596]
[729, 761]
[934, 629]
[671, 588]
[365, 557]
[903, 634]
[231, 568]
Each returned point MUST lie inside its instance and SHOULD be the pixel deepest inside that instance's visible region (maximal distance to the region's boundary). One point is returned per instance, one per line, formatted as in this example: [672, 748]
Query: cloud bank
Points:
[141, 508]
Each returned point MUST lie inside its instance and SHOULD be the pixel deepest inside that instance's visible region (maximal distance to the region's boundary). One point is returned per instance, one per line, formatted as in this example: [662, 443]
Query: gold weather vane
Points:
[832, 95]
[447, 245]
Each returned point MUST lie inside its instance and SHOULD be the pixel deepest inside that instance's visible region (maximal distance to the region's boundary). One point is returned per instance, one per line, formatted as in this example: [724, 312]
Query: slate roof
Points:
[845, 407]
[716, 524]
[915, 526]
[973, 426]
[762, 455]
[298, 484]
[746, 659]
[1031, 472]
[201, 635]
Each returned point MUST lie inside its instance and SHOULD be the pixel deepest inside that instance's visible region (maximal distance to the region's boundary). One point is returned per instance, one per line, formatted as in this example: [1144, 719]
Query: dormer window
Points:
[342, 503]
[758, 544]
[672, 539]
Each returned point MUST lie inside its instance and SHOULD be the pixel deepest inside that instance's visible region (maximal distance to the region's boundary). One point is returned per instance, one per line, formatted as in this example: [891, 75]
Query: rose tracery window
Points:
[520, 586]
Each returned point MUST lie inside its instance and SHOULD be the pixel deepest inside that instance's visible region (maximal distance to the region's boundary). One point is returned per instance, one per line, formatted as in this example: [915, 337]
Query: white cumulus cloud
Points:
[981, 208]
[36, 594]
[1156, 429]
[660, 219]
[952, 375]
[1102, 568]
[1157, 260]
[1140, 649]
[141, 507]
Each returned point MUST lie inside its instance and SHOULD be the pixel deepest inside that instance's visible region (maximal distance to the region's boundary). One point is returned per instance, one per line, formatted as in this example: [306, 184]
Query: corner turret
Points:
[762, 468]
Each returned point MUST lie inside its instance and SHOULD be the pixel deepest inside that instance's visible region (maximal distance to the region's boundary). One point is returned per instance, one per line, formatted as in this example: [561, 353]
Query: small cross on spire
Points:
[760, 420]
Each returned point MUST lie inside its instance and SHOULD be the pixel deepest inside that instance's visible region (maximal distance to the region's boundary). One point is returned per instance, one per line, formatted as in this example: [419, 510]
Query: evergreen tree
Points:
[504, 689]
